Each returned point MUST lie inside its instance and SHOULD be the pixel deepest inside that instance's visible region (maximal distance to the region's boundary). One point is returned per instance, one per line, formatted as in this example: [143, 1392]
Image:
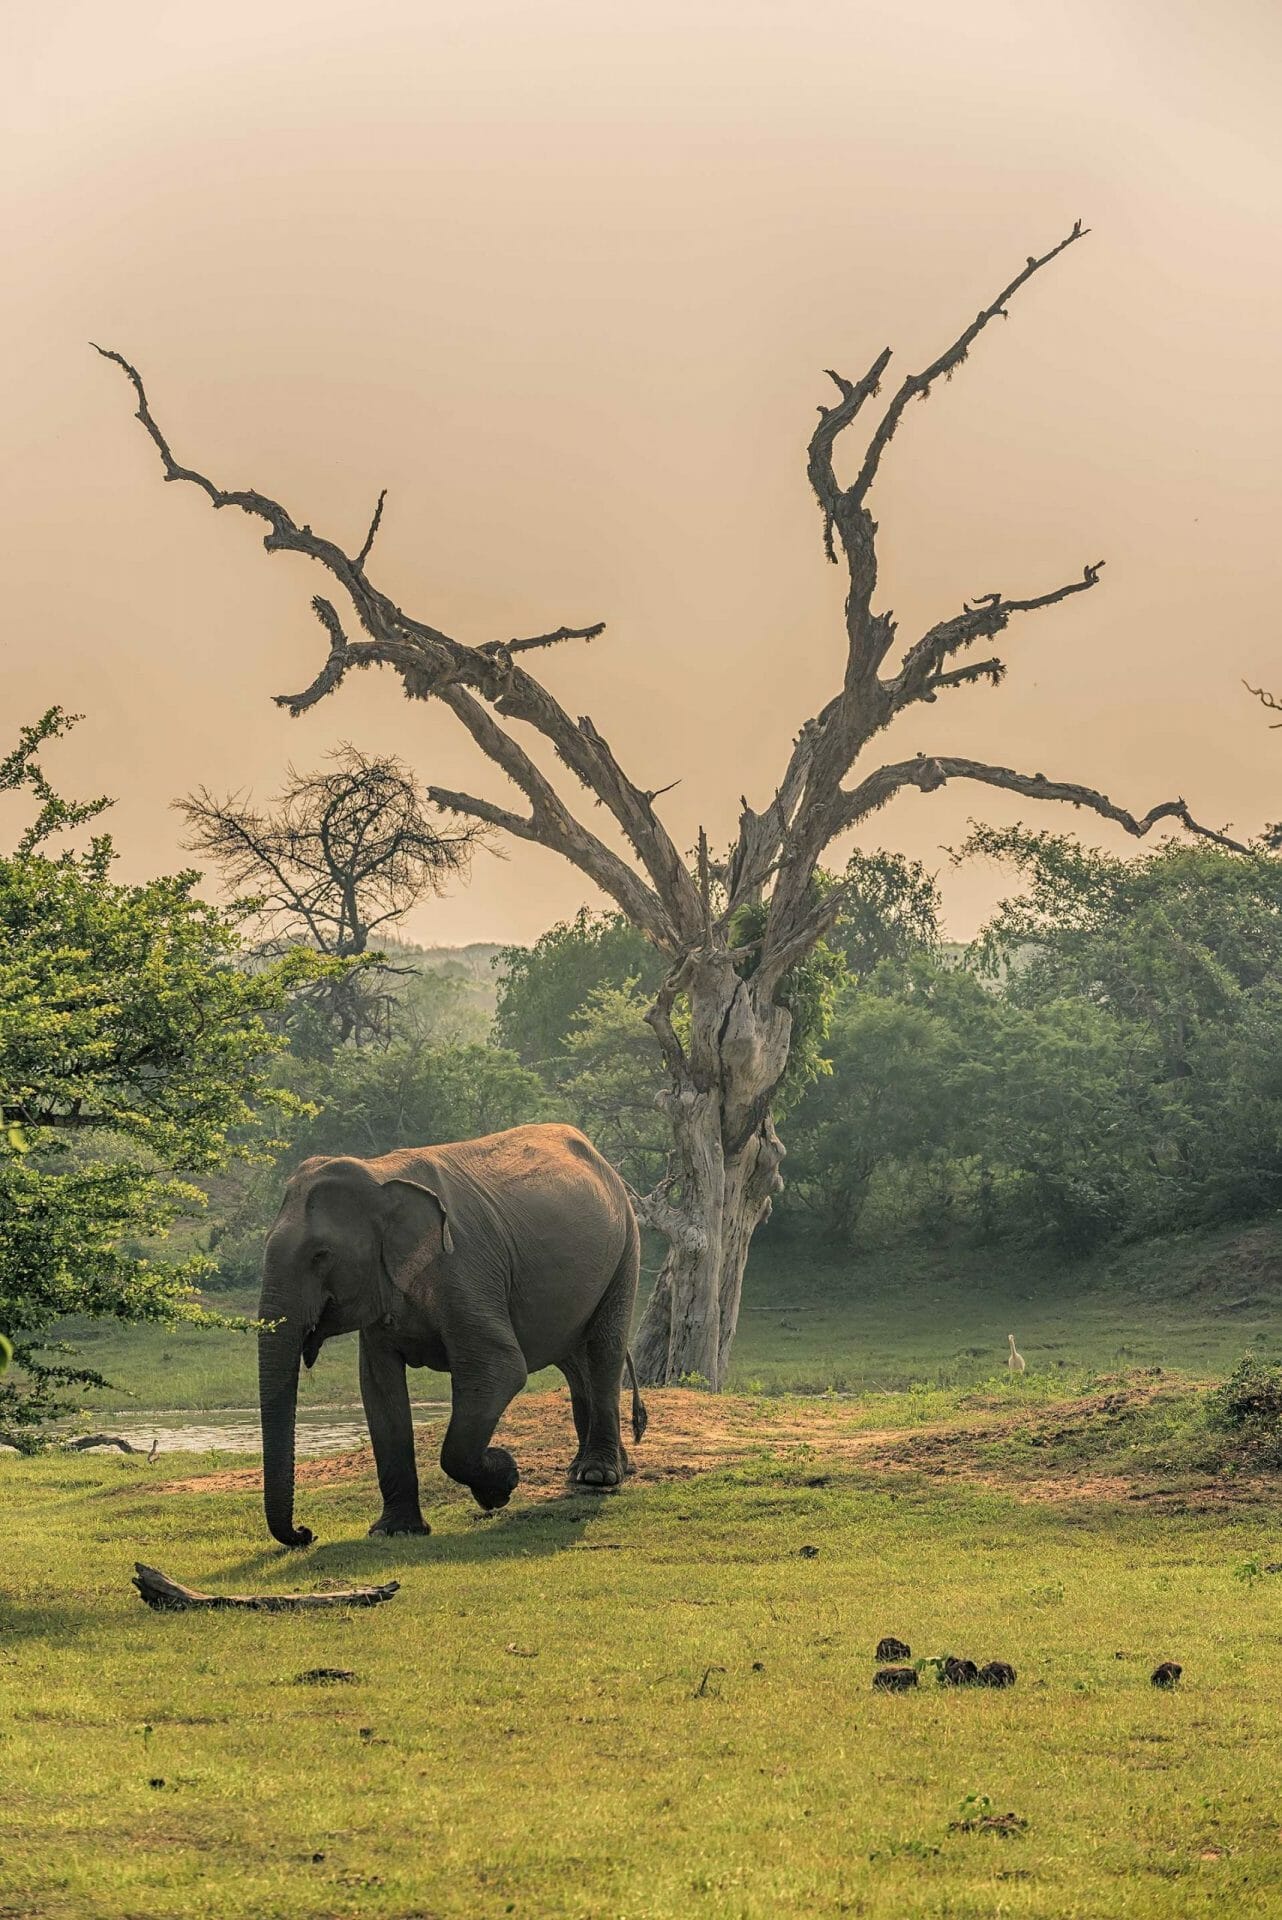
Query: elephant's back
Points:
[531, 1157]
[549, 1176]
[566, 1223]
[550, 1194]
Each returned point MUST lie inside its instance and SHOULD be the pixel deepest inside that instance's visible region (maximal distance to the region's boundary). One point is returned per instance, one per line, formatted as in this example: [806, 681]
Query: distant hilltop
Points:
[476, 961]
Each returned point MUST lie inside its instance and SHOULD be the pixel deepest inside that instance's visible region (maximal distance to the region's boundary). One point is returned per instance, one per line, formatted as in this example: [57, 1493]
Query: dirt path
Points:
[689, 1433]
[693, 1433]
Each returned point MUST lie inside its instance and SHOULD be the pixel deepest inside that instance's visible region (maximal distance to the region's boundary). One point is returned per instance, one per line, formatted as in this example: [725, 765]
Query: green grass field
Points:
[650, 1705]
[864, 1323]
[655, 1704]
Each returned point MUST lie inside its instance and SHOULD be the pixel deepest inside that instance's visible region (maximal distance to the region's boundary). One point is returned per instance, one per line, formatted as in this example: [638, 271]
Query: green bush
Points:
[1249, 1401]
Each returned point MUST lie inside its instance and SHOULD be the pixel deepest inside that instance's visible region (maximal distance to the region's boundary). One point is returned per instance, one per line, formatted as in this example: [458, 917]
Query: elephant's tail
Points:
[640, 1418]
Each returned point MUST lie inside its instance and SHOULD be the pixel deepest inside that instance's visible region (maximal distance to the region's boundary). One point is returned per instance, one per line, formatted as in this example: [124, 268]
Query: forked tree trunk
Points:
[728, 1154]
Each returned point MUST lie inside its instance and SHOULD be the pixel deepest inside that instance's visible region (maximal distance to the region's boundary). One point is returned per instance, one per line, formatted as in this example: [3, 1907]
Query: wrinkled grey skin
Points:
[489, 1259]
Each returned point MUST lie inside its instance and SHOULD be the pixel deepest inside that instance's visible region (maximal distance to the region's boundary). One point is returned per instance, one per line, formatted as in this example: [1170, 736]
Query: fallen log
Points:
[109, 1440]
[167, 1595]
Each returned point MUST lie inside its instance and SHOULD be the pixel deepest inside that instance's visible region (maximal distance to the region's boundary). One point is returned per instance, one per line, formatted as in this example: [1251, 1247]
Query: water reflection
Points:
[235, 1429]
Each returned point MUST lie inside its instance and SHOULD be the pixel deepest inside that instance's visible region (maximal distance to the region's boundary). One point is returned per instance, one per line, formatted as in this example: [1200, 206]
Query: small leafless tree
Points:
[338, 856]
[719, 1018]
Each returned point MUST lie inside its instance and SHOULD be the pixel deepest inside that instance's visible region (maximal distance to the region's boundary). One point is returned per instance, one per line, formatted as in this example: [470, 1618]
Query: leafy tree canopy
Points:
[133, 1050]
[544, 988]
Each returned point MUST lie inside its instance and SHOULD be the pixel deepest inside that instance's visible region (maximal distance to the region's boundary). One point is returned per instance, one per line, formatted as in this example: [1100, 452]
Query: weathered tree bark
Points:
[726, 1172]
[724, 1033]
[167, 1595]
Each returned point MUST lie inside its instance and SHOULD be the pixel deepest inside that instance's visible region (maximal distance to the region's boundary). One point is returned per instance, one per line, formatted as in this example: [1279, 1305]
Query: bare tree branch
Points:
[994, 671]
[547, 639]
[164, 1594]
[556, 827]
[475, 808]
[430, 664]
[377, 614]
[1266, 699]
[988, 615]
[372, 535]
[918, 385]
[819, 454]
[930, 772]
[865, 703]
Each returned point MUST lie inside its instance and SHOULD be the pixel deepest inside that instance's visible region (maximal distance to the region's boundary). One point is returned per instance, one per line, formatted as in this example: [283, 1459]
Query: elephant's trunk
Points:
[279, 1353]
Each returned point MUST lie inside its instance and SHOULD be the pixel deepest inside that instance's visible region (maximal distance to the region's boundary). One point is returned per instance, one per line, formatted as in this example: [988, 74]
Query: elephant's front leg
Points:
[481, 1392]
[386, 1399]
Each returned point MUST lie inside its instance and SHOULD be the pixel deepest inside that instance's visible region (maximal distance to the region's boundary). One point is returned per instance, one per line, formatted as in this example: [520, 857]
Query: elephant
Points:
[486, 1258]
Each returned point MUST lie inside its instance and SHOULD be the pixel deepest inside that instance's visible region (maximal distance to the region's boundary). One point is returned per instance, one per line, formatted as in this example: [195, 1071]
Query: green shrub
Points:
[1249, 1401]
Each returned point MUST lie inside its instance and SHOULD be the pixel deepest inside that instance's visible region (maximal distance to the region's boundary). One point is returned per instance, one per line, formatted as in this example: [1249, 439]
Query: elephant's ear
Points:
[415, 1229]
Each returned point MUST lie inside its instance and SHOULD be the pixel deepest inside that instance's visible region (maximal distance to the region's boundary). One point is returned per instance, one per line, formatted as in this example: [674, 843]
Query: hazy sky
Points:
[562, 275]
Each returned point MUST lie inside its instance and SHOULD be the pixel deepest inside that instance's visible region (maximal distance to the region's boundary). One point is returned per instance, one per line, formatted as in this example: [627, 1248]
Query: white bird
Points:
[1015, 1359]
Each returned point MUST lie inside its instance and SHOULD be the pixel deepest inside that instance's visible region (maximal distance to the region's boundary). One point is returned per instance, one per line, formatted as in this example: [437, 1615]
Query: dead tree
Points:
[719, 1021]
[338, 857]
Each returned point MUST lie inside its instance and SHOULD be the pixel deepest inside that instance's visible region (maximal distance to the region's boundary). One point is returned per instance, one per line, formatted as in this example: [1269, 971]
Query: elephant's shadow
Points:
[541, 1528]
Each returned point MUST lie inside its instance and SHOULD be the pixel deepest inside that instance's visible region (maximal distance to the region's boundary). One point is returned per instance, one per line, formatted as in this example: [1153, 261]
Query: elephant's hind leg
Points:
[576, 1377]
[601, 1462]
[480, 1396]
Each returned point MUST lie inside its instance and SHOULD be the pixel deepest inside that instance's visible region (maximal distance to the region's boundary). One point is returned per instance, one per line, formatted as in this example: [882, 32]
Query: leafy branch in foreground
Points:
[133, 1050]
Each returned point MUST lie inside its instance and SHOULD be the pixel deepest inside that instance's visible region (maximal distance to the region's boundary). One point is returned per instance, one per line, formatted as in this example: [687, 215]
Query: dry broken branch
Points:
[546, 639]
[994, 671]
[865, 703]
[372, 535]
[923, 672]
[1266, 699]
[167, 1595]
[918, 385]
[928, 772]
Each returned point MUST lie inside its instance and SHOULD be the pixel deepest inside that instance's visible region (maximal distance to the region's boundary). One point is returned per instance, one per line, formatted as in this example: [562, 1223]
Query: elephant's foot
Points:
[600, 1468]
[389, 1523]
[495, 1482]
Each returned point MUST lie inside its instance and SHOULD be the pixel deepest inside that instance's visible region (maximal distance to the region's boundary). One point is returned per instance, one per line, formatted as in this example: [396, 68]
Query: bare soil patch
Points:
[695, 1433]
[689, 1433]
